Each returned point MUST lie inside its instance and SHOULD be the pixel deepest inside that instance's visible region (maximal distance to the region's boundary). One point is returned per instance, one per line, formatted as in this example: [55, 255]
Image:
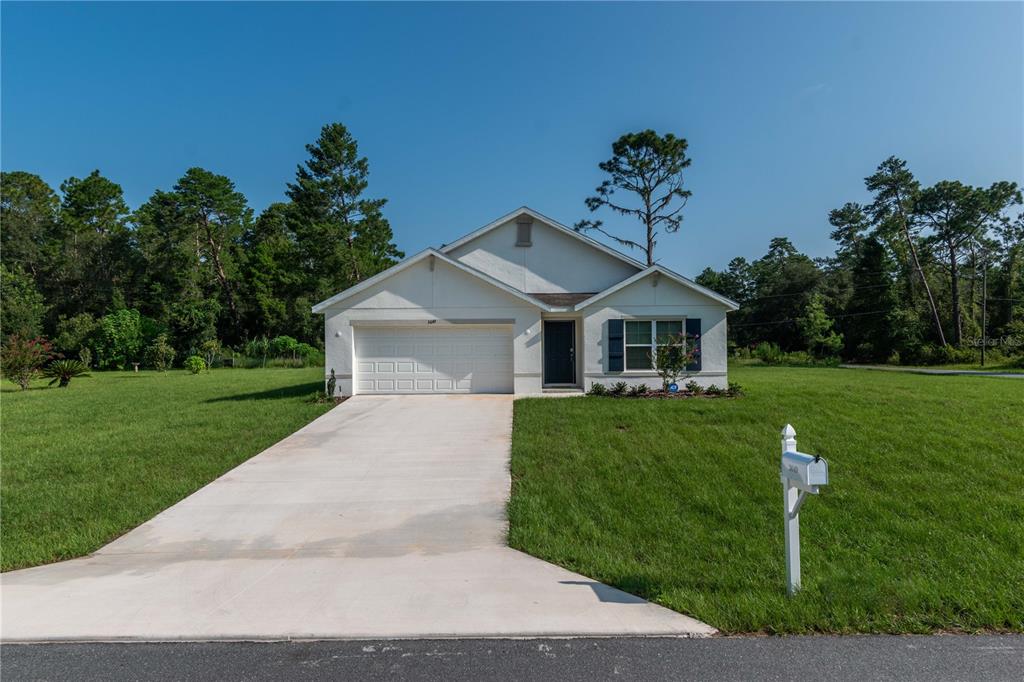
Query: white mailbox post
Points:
[800, 474]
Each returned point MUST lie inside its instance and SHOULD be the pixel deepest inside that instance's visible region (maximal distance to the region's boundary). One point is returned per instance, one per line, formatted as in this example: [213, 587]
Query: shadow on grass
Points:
[296, 391]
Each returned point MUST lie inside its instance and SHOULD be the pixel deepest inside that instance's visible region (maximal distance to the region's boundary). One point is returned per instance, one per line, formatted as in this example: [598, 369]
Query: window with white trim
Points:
[643, 336]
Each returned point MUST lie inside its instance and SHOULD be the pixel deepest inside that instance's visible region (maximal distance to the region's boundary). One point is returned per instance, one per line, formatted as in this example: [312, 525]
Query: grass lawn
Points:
[82, 465]
[921, 529]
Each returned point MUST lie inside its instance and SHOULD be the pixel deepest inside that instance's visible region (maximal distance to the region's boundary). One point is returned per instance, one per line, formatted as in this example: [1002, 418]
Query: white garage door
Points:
[470, 359]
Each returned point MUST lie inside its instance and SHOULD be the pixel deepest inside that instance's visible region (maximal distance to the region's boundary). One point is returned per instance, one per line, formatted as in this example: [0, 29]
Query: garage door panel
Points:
[437, 360]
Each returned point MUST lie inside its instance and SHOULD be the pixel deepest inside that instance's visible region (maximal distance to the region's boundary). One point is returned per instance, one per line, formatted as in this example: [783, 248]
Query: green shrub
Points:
[618, 388]
[713, 390]
[800, 358]
[195, 364]
[638, 390]
[61, 372]
[85, 355]
[946, 355]
[160, 354]
[768, 353]
[694, 388]
[597, 389]
[283, 347]
[734, 390]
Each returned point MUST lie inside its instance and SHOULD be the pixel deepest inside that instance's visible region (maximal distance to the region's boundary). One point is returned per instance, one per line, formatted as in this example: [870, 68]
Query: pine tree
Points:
[342, 236]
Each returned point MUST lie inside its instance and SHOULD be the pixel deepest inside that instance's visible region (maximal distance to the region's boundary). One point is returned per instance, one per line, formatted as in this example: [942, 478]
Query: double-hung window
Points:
[644, 336]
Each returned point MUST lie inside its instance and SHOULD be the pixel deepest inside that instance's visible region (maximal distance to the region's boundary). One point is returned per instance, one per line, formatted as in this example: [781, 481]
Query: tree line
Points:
[194, 265]
[919, 275]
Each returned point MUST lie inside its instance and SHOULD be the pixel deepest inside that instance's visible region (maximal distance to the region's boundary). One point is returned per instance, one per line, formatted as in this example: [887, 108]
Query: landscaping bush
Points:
[21, 359]
[85, 355]
[694, 388]
[195, 364]
[61, 372]
[672, 358]
[597, 389]
[638, 390]
[734, 390]
[160, 354]
[713, 390]
[618, 388]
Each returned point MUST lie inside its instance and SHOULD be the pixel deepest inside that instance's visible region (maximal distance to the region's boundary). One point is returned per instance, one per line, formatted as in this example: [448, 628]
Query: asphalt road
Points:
[906, 658]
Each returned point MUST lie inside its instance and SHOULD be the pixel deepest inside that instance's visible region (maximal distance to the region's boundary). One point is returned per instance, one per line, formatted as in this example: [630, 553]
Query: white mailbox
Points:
[806, 472]
[800, 474]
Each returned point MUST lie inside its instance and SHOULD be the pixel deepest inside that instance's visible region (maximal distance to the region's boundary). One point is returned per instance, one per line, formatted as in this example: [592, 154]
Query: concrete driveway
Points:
[383, 518]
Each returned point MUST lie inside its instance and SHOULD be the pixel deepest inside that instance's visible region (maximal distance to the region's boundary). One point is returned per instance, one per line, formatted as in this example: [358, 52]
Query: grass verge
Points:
[82, 465]
[921, 530]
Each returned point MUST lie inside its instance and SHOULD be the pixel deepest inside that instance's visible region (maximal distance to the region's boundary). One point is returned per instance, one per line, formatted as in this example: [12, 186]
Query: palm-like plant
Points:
[61, 372]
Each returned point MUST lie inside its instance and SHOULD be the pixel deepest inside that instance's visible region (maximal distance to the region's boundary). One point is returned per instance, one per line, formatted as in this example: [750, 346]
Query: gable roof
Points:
[554, 224]
[408, 262]
[674, 276]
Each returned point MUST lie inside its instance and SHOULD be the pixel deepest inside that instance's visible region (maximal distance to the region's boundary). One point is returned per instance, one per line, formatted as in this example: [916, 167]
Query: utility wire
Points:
[783, 322]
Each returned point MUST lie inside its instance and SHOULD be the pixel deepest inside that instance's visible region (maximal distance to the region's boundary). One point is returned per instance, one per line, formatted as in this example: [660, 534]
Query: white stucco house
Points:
[521, 305]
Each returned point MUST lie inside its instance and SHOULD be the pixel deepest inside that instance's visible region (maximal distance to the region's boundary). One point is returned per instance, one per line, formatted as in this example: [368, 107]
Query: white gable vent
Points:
[524, 229]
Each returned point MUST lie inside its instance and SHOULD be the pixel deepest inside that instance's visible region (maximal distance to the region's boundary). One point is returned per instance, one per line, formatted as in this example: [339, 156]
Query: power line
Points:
[835, 317]
[804, 293]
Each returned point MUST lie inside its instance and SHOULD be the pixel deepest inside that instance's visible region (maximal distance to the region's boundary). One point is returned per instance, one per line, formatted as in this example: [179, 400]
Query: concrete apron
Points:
[384, 518]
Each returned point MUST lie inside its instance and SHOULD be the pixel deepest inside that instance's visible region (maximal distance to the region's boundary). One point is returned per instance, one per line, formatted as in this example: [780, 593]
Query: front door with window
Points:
[559, 352]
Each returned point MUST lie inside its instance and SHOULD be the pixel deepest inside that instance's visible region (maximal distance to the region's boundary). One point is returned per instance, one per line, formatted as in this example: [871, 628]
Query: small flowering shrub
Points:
[22, 359]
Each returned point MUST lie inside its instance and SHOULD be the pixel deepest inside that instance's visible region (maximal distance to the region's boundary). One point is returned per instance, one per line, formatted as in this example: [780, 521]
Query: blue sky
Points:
[467, 111]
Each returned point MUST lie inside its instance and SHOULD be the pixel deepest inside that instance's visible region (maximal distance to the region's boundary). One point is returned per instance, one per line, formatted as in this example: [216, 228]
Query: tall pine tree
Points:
[343, 237]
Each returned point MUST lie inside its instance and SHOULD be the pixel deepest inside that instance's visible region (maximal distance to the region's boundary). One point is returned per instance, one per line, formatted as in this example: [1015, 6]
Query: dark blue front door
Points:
[559, 352]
